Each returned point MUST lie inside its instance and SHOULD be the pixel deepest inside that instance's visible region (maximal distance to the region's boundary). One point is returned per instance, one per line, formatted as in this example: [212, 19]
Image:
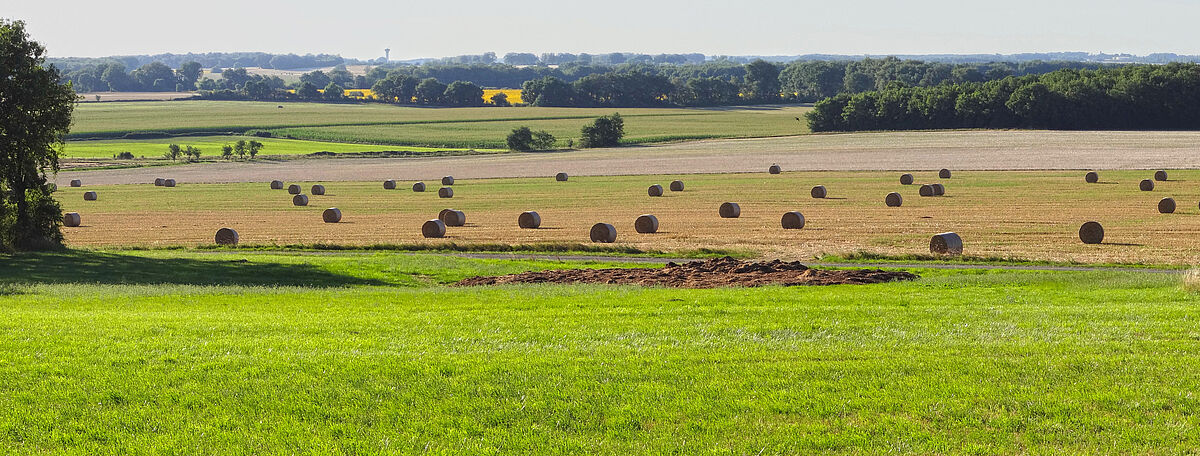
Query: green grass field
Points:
[210, 146]
[638, 130]
[243, 352]
[480, 128]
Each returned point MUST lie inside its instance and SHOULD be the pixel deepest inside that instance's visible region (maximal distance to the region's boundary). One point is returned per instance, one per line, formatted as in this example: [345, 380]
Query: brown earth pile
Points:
[717, 272]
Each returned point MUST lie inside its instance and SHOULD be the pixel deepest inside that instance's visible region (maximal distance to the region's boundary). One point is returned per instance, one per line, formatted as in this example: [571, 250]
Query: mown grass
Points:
[210, 147]
[372, 355]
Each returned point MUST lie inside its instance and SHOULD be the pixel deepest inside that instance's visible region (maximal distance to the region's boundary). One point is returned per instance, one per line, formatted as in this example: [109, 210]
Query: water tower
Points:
[387, 55]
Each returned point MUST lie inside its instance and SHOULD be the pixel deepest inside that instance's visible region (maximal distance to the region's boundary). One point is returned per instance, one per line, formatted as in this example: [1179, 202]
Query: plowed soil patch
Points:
[719, 272]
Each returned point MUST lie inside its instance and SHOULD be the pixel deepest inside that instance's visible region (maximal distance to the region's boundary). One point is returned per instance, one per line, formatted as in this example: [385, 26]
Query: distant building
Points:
[387, 55]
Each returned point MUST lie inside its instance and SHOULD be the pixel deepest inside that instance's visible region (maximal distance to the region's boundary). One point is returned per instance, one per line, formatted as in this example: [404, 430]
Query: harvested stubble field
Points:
[926, 150]
[1019, 214]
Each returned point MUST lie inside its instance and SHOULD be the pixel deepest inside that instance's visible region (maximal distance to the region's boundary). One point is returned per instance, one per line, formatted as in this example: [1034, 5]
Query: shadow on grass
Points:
[77, 266]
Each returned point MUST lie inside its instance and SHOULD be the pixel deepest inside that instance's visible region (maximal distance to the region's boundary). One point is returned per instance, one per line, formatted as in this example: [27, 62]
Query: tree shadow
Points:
[78, 266]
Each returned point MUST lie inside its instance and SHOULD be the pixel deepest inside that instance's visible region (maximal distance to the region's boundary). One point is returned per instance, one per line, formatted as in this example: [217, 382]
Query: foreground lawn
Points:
[138, 352]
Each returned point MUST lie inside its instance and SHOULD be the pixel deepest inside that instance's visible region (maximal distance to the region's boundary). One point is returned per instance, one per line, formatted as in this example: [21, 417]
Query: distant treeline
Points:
[624, 85]
[208, 60]
[1131, 97]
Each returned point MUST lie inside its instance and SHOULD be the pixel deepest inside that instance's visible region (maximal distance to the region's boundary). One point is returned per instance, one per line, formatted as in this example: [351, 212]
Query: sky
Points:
[363, 28]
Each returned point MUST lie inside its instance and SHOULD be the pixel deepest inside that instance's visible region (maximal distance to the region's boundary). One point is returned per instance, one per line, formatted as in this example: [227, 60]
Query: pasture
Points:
[244, 352]
[1033, 215]
[210, 146]
[438, 127]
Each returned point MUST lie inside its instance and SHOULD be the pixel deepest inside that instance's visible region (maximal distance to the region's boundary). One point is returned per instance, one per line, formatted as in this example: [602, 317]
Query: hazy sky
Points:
[363, 28]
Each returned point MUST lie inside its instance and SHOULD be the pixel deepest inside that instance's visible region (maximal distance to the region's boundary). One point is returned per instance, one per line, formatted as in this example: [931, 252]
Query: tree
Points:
[192, 153]
[334, 92]
[463, 93]
[35, 115]
[762, 81]
[395, 87]
[254, 147]
[430, 91]
[241, 148]
[548, 91]
[149, 75]
[227, 152]
[308, 91]
[500, 99]
[189, 73]
[605, 131]
[236, 78]
[173, 152]
[317, 78]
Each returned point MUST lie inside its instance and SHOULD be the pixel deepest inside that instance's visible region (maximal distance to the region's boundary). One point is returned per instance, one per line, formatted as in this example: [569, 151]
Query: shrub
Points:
[124, 156]
[523, 139]
[605, 131]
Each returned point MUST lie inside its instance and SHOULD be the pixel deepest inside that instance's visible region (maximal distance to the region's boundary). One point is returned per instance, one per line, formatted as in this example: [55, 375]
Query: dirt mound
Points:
[718, 272]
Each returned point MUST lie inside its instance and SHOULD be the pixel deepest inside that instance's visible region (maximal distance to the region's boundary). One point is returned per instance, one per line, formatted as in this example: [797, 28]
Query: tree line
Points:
[624, 85]
[1130, 97]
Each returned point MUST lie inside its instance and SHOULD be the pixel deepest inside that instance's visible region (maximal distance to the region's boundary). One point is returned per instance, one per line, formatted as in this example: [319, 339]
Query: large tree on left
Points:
[35, 115]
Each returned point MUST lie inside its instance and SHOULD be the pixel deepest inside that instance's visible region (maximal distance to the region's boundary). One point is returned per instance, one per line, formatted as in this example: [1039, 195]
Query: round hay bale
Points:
[226, 236]
[332, 215]
[893, 199]
[158, 182]
[819, 192]
[906, 179]
[451, 217]
[938, 189]
[677, 186]
[793, 220]
[1091, 233]
[169, 183]
[561, 177]
[646, 224]
[730, 210]
[318, 189]
[655, 190]
[445, 192]
[72, 219]
[1091, 177]
[603, 232]
[529, 220]
[1166, 205]
[419, 187]
[76, 183]
[294, 189]
[90, 196]
[946, 244]
[276, 185]
[774, 169]
[389, 184]
[944, 174]
[448, 180]
[433, 229]
[1160, 175]
[926, 190]
[1146, 185]
[300, 200]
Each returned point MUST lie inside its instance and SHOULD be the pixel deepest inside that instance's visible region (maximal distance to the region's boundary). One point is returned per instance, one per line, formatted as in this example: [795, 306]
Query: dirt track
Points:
[960, 150]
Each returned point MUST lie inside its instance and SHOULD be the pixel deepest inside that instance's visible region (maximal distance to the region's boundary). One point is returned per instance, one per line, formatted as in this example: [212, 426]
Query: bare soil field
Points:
[717, 272]
[90, 97]
[930, 150]
[1014, 214]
